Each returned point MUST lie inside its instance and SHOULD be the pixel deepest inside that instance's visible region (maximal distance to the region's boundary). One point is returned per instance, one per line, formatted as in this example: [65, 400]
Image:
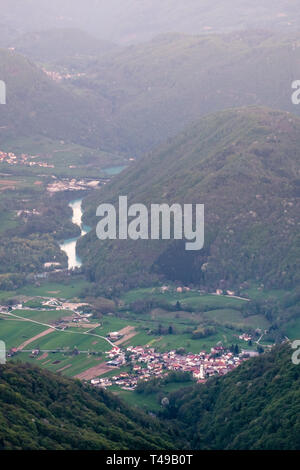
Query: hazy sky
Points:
[136, 20]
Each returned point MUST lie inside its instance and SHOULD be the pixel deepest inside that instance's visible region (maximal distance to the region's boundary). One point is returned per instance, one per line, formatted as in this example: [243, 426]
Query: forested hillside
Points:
[243, 166]
[40, 410]
[158, 88]
[61, 45]
[37, 106]
[255, 407]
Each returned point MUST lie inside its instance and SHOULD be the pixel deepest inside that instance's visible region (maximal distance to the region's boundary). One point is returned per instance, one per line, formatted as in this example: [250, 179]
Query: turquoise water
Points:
[69, 245]
[114, 170]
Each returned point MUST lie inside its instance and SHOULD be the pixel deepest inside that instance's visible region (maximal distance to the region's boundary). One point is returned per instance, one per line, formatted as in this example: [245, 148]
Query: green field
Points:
[149, 402]
[43, 316]
[225, 316]
[15, 332]
[69, 339]
[220, 311]
[63, 156]
[58, 290]
[71, 364]
[8, 221]
[258, 293]
[292, 329]
[192, 299]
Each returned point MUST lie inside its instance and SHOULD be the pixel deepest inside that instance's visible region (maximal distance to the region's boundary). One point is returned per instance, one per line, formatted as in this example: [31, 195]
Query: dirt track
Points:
[95, 371]
[128, 332]
[44, 333]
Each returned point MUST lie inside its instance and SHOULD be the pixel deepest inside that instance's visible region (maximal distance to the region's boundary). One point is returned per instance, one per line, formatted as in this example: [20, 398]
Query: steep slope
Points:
[158, 88]
[40, 410]
[254, 407]
[36, 105]
[243, 165]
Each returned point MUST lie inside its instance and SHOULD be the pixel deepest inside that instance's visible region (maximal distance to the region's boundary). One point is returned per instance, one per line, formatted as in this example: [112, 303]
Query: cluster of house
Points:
[178, 289]
[26, 213]
[147, 363]
[72, 185]
[246, 337]
[183, 289]
[58, 76]
[22, 159]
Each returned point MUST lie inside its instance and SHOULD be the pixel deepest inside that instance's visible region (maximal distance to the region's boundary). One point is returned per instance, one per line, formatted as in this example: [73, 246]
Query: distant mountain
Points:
[61, 46]
[243, 165]
[254, 407]
[158, 88]
[136, 20]
[38, 106]
[7, 34]
[43, 411]
[131, 99]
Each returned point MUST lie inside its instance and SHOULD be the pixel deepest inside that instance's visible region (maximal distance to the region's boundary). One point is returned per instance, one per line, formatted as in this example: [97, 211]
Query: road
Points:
[13, 315]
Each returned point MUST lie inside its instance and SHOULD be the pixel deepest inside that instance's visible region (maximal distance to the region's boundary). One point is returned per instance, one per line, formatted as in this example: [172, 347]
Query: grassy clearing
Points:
[190, 299]
[15, 332]
[234, 317]
[43, 316]
[53, 289]
[258, 293]
[82, 160]
[292, 329]
[68, 339]
[71, 365]
[8, 221]
[149, 402]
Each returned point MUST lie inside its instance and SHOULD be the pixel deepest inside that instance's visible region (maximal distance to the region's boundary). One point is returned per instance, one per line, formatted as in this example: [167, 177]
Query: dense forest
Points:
[242, 165]
[40, 410]
[254, 407]
[257, 406]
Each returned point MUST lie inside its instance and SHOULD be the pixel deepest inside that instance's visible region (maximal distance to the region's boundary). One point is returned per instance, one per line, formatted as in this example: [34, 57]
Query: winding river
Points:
[69, 245]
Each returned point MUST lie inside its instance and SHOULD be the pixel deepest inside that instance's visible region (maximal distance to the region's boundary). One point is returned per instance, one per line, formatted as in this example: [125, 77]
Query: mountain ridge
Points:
[211, 163]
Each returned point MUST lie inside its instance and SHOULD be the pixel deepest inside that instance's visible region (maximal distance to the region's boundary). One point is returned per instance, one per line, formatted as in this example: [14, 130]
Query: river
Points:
[69, 245]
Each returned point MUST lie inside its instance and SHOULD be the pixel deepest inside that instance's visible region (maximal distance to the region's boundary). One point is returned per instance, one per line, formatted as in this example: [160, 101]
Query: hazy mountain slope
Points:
[40, 410]
[36, 105]
[7, 34]
[158, 88]
[255, 407]
[61, 45]
[136, 20]
[244, 166]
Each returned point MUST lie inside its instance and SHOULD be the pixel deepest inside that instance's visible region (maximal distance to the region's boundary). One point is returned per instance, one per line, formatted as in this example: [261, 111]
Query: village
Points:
[145, 363]
[23, 159]
[73, 184]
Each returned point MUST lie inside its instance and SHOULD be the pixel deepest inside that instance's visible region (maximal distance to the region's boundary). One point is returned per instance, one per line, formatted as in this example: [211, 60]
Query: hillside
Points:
[255, 407]
[158, 88]
[61, 45]
[38, 106]
[40, 410]
[131, 99]
[243, 166]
